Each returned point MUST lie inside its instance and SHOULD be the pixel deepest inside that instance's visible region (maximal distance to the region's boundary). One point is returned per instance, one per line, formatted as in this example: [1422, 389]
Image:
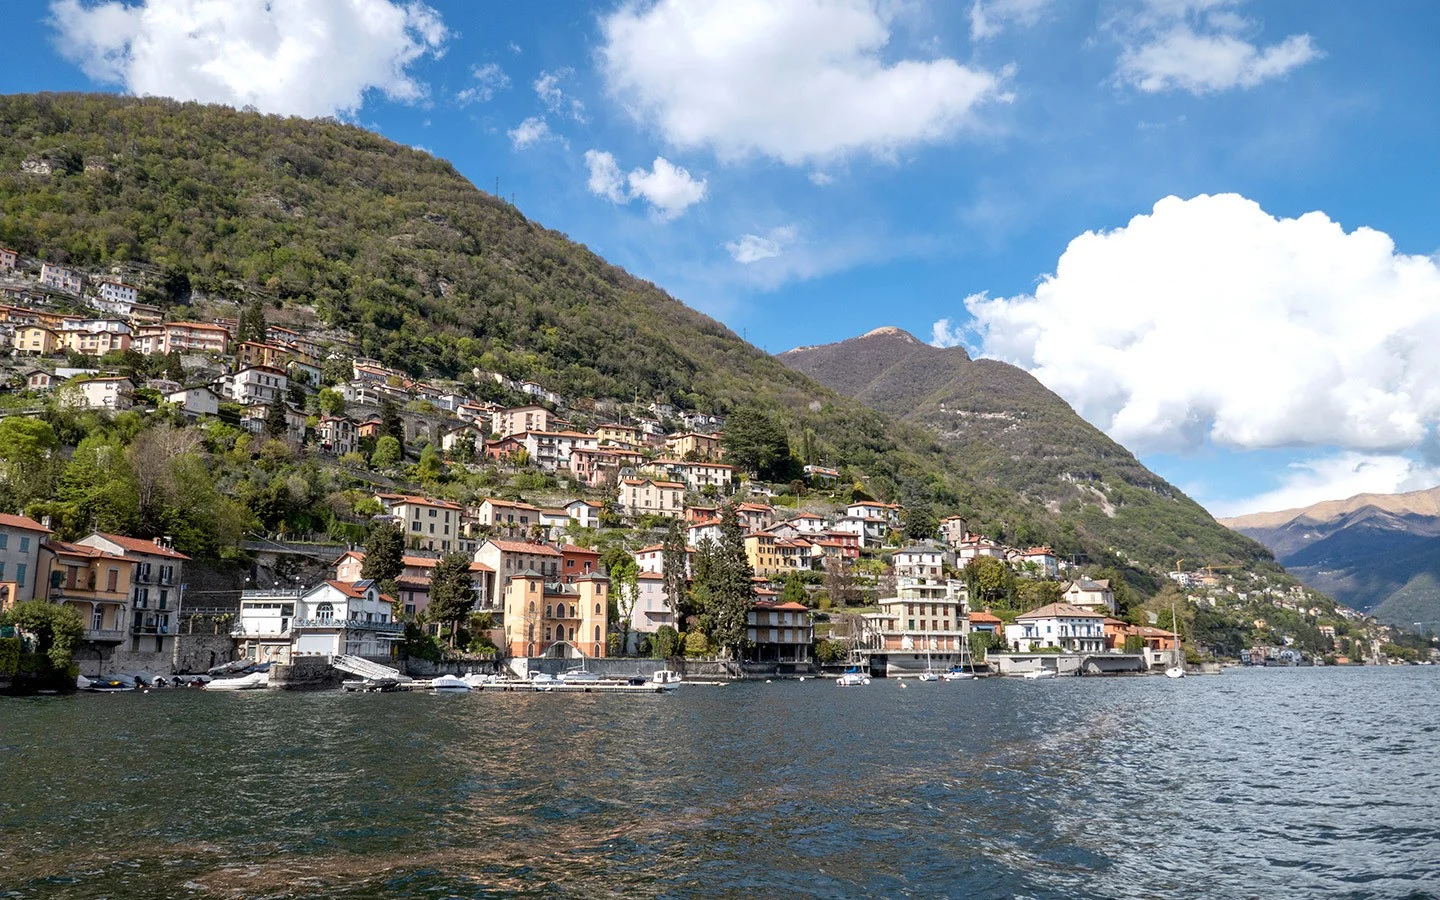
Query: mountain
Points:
[433, 276]
[1376, 552]
[1013, 434]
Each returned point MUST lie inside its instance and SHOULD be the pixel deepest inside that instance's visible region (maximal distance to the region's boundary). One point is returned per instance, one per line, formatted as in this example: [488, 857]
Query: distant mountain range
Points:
[1375, 552]
[1019, 438]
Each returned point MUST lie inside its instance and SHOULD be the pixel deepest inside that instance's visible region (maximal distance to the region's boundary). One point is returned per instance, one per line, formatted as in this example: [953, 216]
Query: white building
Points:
[1076, 629]
[256, 385]
[117, 297]
[330, 619]
[196, 401]
[646, 496]
[61, 278]
[651, 611]
[919, 562]
[428, 524]
[110, 392]
[584, 513]
[1092, 594]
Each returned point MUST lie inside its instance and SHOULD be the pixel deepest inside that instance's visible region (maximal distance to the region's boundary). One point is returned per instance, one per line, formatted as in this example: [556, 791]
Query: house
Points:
[1076, 629]
[37, 340]
[652, 559]
[40, 380]
[779, 632]
[506, 422]
[921, 616]
[954, 530]
[253, 421]
[872, 509]
[370, 428]
[550, 450]
[868, 532]
[256, 385]
[973, 546]
[533, 389]
[1092, 594]
[919, 562]
[754, 516]
[618, 435]
[182, 337]
[505, 558]
[646, 496]
[597, 467]
[556, 619]
[693, 445]
[117, 297]
[576, 562]
[808, 523]
[95, 337]
[96, 584]
[333, 618]
[20, 539]
[455, 438]
[61, 278]
[697, 533]
[1043, 560]
[819, 475]
[584, 513]
[195, 401]
[986, 622]
[428, 524]
[337, 435]
[509, 516]
[9, 259]
[706, 422]
[696, 475]
[157, 589]
[255, 353]
[651, 609]
[105, 392]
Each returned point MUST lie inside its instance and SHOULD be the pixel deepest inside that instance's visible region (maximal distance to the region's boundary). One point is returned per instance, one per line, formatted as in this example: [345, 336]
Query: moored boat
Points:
[853, 677]
[250, 682]
[449, 684]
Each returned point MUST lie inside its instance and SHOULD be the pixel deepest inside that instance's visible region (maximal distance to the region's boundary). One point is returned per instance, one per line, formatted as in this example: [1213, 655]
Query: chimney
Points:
[45, 520]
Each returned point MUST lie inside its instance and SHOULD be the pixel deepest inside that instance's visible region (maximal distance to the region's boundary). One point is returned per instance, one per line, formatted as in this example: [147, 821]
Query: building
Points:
[821, 476]
[505, 559]
[115, 392]
[506, 422]
[919, 562]
[428, 524]
[553, 619]
[618, 435]
[646, 496]
[596, 467]
[987, 622]
[584, 513]
[1071, 628]
[550, 450]
[182, 337]
[37, 340]
[696, 475]
[809, 523]
[256, 385]
[754, 516]
[117, 297]
[868, 532]
[973, 546]
[509, 516]
[455, 438]
[20, 539]
[651, 609]
[157, 589]
[1044, 561]
[922, 618]
[337, 435]
[1091, 594]
[95, 337]
[61, 278]
[577, 562]
[779, 633]
[195, 401]
[331, 619]
[9, 259]
[697, 533]
[255, 353]
[873, 509]
[693, 445]
[96, 584]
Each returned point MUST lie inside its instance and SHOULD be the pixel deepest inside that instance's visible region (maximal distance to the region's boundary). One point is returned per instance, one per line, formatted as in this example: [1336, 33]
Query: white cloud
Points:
[990, 17]
[489, 79]
[1335, 477]
[606, 179]
[1201, 46]
[529, 132]
[302, 57]
[797, 80]
[1210, 319]
[821, 179]
[946, 334]
[666, 187]
[752, 248]
[547, 88]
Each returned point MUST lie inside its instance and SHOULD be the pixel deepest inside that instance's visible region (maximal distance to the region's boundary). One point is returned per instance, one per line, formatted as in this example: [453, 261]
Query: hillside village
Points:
[567, 511]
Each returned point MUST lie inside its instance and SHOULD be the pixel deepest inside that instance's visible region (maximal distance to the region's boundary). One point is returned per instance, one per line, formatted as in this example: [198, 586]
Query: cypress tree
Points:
[733, 592]
[275, 425]
[674, 564]
[452, 594]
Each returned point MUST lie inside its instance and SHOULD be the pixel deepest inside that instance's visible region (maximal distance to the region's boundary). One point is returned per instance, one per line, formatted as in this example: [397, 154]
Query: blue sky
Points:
[808, 170]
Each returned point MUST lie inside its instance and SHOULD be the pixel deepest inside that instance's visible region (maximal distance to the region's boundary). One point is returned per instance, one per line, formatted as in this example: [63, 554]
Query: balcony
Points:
[352, 624]
[138, 628]
[104, 636]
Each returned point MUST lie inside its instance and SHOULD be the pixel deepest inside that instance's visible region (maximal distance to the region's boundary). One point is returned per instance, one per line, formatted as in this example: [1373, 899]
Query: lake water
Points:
[1298, 782]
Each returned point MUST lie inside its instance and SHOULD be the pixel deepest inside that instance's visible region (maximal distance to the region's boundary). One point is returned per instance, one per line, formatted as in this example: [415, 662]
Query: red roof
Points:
[524, 547]
[573, 549]
[24, 522]
[480, 567]
[141, 545]
[984, 618]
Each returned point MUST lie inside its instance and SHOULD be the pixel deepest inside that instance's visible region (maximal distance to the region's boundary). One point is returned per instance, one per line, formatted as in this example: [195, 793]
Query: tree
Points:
[251, 325]
[29, 458]
[276, 424]
[391, 424]
[431, 468]
[989, 581]
[755, 440]
[666, 643]
[920, 522]
[625, 594]
[452, 593]
[732, 587]
[1034, 594]
[794, 590]
[840, 584]
[387, 453]
[57, 629]
[384, 552]
[675, 562]
[174, 369]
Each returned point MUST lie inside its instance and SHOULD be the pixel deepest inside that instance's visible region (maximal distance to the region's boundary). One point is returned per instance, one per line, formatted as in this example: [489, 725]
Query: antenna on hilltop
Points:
[497, 185]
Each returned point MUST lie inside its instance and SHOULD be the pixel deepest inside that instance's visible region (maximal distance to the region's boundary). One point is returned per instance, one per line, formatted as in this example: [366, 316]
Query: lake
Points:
[1261, 782]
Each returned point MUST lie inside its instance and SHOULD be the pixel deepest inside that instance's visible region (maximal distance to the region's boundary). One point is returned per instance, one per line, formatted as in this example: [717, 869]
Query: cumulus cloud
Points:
[1203, 47]
[301, 57]
[990, 17]
[667, 188]
[489, 80]
[1209, 319]
[796, 80]
[1336, 477]
[547, 88]
[530, 131]
[752, 248]
[946, 334]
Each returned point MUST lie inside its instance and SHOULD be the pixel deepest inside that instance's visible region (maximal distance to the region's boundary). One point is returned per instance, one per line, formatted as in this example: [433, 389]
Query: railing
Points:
[240, 631]
[264, 593]
[104, 635]
[138, 628]
[356, 624]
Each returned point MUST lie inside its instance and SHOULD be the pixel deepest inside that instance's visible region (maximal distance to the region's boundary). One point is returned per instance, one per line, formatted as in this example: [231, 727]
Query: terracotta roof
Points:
[399, 499]
[480, 567]
[347, 588]
[141, 545]
[985, 618]
[524, 547]
[63, 548]
[23, 522]
[650, 548]
[572, 548]
[515, 504]
[792, 605]
[1061, 609]
[650, 576]
[426, 561]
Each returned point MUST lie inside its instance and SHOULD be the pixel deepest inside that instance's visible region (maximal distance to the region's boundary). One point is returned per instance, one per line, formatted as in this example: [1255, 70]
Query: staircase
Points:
[364, 668]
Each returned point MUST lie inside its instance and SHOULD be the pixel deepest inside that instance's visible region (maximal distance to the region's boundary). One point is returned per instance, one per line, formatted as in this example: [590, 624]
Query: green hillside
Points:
[432, 275]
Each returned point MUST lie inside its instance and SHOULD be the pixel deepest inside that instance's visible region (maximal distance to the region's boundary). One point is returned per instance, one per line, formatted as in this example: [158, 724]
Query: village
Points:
[838, 579]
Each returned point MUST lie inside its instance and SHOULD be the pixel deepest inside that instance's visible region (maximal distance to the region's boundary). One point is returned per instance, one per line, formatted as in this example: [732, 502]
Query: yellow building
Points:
[539, 616]
[94, 583]
[37, 340]
[693, 445]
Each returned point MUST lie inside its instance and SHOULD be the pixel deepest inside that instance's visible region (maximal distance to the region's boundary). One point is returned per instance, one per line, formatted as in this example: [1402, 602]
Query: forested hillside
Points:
[432, 275]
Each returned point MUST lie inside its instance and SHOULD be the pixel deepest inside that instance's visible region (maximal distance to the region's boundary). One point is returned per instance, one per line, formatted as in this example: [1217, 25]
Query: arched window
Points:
[547, 610]
[532, 606]
[325, 612]
[547, 632]
[597, 609]
[597, 634]
[574, 611]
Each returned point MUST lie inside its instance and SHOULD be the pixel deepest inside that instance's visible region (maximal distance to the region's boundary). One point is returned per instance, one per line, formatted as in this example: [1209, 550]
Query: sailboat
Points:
[958, 672]
[1177, 670]
[929, 673]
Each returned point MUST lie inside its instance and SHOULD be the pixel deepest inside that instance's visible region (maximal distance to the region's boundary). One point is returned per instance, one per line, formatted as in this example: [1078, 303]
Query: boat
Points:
[929, 673]
[449, 684]
[853, 677]
[105, 684]
[252, 681]
[955, 673]
[1038, 674]
[1177, 670]
[475, 679]
[580, 675]
[665, 676]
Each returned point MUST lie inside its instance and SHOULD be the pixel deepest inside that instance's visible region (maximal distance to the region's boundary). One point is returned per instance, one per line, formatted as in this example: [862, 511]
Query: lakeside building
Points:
[779, 632]
[504, 559]
[924, 625]
[556, 619]
[330, 619]
[183, 337]
[157, 588]
[1063, 626]
[96, 584]
[20, 540]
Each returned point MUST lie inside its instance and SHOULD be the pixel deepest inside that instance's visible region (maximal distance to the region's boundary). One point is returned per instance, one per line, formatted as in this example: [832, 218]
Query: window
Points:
[325, 612]
[112, 578]
[415, 526]
[4, 541]
[24, 544]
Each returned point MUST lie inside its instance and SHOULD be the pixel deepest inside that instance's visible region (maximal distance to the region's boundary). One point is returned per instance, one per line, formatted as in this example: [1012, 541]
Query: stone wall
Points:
[198, 653]
[306, 673]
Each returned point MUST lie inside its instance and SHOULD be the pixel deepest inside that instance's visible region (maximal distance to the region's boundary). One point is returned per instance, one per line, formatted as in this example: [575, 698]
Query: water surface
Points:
[1255, 783]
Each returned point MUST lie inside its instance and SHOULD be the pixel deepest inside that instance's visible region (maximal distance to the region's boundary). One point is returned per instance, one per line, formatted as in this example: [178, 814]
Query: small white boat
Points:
[957, 674]
[928, 676]
[251, 682]
[853, 677]
[449, 684]
[1039, 673]
[665, 676]
[475, 679]
[1175, 672]
[579, 676]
